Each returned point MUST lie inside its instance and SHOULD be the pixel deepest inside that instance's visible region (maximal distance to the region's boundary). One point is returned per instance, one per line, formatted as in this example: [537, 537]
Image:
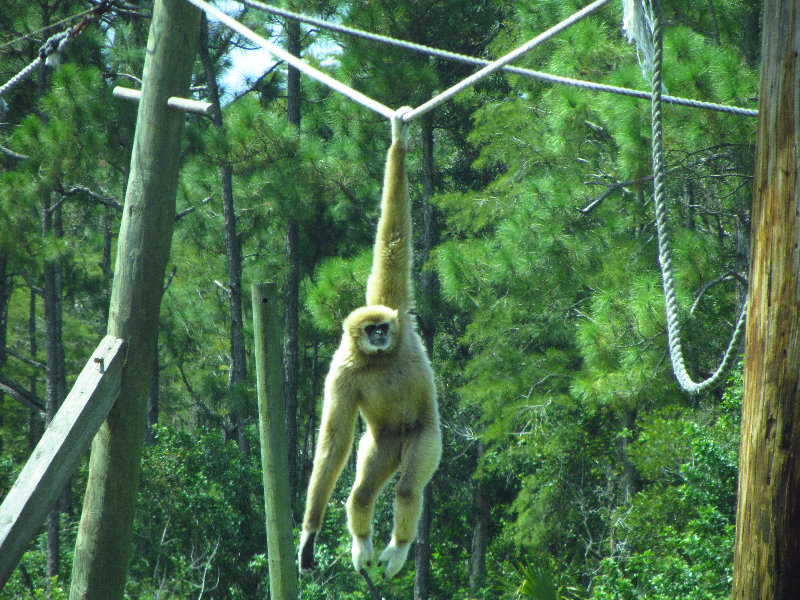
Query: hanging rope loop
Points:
[664, 249]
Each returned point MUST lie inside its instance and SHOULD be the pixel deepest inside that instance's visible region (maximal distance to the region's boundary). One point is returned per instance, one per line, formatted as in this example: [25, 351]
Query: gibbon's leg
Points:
[420, 457]
[335, 441]
[377, 460]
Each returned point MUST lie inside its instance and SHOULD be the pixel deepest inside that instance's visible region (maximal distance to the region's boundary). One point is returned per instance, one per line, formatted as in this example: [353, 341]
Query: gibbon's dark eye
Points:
[377, 334]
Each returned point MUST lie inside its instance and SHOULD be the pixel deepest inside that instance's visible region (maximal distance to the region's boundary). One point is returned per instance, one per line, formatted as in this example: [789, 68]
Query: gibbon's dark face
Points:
[378, 335]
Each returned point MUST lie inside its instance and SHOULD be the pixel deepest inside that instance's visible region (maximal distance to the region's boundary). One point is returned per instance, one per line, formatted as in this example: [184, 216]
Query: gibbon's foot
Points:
[394, 556]
[305, 555]
[362, 552]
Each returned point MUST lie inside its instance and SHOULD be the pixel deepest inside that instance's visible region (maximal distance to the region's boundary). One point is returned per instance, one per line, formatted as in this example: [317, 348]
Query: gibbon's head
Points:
[373, 329]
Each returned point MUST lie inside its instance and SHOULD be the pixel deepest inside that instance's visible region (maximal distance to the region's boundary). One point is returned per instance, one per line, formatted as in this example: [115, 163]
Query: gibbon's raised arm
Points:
[392, 252]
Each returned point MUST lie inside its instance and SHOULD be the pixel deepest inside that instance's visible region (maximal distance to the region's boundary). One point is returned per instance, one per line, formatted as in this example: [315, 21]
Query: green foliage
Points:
[548, 320]
[338, 289]
[682, 527]
[199, 517]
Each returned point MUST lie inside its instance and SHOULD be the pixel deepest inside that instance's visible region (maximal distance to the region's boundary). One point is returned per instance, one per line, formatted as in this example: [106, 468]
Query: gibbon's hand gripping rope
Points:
[530, 73]
[377, 107]
[664, 251]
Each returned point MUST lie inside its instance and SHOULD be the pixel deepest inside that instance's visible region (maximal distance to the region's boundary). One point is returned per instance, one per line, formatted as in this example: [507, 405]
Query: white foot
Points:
[361, 552]
[394, 557]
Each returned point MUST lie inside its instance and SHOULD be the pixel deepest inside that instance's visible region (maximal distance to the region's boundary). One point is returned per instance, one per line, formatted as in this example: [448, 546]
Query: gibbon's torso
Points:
[392, 390]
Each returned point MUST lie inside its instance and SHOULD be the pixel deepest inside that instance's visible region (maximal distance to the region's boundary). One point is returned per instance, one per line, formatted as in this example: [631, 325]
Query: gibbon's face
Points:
[376, 336]
[374, 329]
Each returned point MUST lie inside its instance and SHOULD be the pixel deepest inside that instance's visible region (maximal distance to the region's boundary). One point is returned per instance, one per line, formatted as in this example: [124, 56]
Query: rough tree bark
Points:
[104, 539]
[767, 552]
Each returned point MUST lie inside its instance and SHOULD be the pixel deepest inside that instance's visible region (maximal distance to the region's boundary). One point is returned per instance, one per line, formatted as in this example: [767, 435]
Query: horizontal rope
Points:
[446, 54]
[502, 61]
[374, 105]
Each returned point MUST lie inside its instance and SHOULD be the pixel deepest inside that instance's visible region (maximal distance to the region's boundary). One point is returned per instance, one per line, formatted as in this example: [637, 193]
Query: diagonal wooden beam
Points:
[57, 454]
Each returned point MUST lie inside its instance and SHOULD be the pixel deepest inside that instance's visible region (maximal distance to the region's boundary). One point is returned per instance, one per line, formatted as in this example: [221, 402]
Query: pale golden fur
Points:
[391, 385]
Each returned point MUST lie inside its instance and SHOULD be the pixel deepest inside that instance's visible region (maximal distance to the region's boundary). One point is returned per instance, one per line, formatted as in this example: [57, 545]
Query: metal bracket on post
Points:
[194, 106]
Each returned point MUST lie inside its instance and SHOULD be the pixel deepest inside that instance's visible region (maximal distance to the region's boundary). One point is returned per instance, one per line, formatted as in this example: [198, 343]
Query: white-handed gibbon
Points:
[381, 369]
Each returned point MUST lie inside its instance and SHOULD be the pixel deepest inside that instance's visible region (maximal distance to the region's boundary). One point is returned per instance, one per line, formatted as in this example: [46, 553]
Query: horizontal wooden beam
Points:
[58, 452]
[185, 104]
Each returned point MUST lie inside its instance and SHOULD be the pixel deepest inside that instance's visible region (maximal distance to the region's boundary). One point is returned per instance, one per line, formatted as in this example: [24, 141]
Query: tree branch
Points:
[20, 394]
[191, 209]
[27, 360]
[104, 200]
[12, 154]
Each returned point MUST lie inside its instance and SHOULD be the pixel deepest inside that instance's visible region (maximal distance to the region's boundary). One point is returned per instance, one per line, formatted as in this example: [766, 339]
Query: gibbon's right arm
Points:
[339, 413]
[389, 282]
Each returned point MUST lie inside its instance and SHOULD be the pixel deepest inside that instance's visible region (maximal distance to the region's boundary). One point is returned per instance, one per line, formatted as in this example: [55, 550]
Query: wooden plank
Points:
[57, 454]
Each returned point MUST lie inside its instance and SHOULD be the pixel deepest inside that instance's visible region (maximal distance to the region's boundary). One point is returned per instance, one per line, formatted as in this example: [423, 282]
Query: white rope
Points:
[504, 60]
[53, 45]
[51, 50]
[664, 250]
[369, 102]
[294, 61]
[446, 54]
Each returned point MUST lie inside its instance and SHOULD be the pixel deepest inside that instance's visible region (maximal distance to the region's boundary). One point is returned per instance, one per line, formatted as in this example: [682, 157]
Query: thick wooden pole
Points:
[104, 539]
[767, 555]
[272, 427]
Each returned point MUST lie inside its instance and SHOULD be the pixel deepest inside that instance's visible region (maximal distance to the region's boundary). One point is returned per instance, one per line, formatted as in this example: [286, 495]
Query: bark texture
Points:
[767, 554]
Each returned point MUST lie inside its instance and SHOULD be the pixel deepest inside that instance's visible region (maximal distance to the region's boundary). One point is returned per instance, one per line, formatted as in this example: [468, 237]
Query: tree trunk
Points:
[153, 401]
[767, 552]
[6, 286]
[422, 549]
[291, 344]
[104, 539]
[480, 530]
[35, 425]
[751, 31]
[238, 368]
[56, 379]
[427, 284]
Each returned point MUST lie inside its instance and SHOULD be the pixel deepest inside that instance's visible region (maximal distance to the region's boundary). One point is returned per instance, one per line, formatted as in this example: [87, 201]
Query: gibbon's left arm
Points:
[337, 430]
[389, 282]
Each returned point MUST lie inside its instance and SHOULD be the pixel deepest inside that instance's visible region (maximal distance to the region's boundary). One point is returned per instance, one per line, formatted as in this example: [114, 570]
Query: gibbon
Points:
[381, 369]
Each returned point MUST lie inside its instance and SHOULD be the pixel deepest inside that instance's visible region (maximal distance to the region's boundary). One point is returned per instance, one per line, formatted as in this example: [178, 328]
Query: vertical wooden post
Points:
[767, 554]
[104, 538]
[272, 427]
